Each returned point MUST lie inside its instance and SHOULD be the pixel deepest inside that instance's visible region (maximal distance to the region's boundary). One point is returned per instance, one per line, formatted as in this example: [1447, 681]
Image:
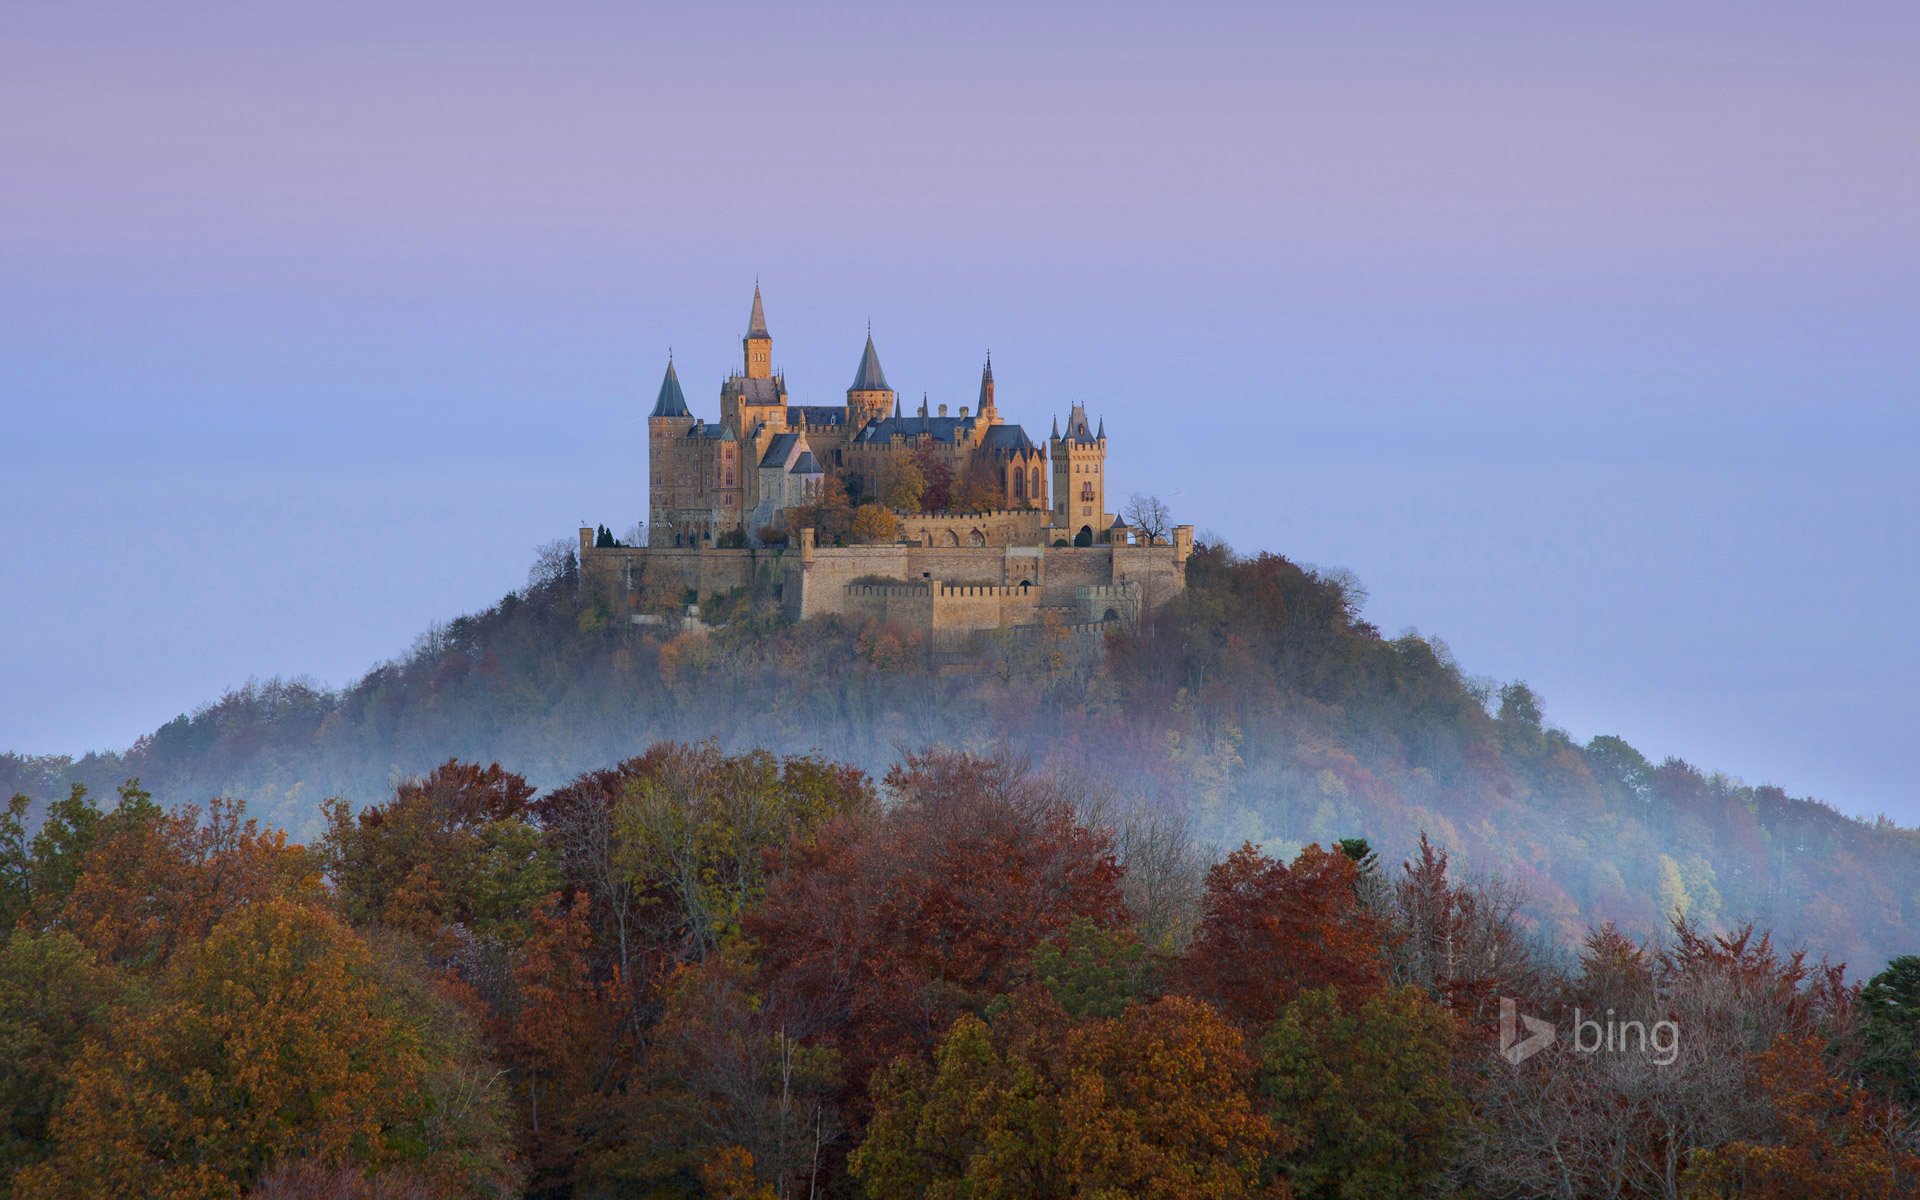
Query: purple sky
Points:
[1585, 336]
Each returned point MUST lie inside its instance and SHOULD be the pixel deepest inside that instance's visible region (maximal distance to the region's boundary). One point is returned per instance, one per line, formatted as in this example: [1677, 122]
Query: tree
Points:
[1365, 1095]
[828, 512]
[274, 1039]
[1149, 517]
[152, 885]
[880, 932]
[453, 849]
[902, 484]
[1271, 931]
[937, 470]
[873, 523]
[53, 992]
[554, 566]
[978, 490]
[1891, 1002]
[1153, 1103]
[1827, 1140]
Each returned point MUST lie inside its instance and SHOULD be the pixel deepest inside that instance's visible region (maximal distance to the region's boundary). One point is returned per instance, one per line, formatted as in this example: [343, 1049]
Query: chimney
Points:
[943, 410]
[963, 410]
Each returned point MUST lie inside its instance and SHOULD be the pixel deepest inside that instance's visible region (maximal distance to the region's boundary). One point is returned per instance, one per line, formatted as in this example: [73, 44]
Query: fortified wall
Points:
[933, 588]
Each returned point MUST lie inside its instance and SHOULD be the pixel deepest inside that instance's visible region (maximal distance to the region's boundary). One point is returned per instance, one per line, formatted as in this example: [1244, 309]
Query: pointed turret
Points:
[757, 319]
[1101, 436]
[672, 402]
[871, 396]
[868, 377]
[989, 413]
[758, 344]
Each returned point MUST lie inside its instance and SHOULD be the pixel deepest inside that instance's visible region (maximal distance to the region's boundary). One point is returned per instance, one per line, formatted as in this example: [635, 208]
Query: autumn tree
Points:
[1365, 1097]
[936, 468]
[902, 484]
[452, 849]
[1828, 1138]
[1153, 1102]
[1463, 944]
[978, 489]
[828, 512]
[273, 1039]
[53, 992]
[729, 1095]
[151, 885]
[874, 523]
[881, 932]
[1272, 930]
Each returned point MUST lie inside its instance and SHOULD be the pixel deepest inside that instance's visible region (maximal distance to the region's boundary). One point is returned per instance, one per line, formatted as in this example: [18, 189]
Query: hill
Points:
[1258, 707]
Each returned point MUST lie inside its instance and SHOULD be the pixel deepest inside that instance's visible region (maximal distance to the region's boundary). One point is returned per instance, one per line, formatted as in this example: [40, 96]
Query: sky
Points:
[1585, 336]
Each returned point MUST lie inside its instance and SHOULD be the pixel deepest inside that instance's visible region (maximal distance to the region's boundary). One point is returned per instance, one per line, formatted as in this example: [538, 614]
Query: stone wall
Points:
[1008, 527]
[924, 587]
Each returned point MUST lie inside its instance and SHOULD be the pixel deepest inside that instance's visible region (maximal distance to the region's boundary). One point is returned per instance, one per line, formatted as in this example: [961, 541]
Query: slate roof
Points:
[941, 429]
[779, 450]
[757, 321]
[760, 392]
[820, 414]
[805, 465]
[868, 377]
[1011, 438]
[713, 433]
[672, 401]
[1077, 428]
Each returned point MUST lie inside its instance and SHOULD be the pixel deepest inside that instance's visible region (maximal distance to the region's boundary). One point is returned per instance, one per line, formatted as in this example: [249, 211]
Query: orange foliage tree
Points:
[1154, 1102]
[272, 1040]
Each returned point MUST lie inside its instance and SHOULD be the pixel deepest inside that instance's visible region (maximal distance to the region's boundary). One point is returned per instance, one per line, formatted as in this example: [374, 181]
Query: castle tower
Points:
[1080, 478]
[758, 344]
[667, 451]
[871, 397]
[989, 413]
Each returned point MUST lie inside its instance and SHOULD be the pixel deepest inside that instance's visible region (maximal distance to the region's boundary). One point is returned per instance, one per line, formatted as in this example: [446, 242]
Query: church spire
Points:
[987, 409]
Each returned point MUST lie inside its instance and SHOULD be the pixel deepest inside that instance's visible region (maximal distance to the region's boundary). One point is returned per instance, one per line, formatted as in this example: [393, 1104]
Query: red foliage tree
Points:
[1271, 931]
[880, 933]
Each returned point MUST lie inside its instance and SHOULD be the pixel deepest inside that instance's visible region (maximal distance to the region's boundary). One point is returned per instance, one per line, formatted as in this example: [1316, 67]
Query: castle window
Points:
[1086, 490]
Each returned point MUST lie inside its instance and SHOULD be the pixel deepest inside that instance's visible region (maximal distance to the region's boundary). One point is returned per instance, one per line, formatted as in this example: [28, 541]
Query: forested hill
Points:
[1257, 707]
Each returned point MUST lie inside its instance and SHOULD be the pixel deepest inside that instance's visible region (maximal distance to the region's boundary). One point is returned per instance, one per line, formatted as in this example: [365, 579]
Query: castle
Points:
[993, 554]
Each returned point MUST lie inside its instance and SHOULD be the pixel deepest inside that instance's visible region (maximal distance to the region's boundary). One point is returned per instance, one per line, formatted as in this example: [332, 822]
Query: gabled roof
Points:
[779, 450]
[805, 465]
[671, 402]
[868, 377]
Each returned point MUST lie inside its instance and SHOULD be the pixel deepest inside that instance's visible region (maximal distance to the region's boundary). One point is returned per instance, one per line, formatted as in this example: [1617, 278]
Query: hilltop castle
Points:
[734, 480]
[994, 553]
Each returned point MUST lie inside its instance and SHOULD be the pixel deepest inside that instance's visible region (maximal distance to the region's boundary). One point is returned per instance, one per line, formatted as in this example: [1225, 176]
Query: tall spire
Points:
[757, 322]
[757, 346]
[986, 387]
[672, 402]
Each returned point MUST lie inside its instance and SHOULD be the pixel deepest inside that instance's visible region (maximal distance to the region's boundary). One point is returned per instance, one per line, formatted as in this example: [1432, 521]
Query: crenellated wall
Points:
[939, 588]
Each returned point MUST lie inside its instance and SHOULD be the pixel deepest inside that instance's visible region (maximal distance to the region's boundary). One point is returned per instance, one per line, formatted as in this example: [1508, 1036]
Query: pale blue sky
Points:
[1585, 338]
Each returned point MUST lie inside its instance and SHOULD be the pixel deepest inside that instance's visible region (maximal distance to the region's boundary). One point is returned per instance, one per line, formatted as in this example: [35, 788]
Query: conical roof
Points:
[672, 402]
[869, 377]
[757, 321]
